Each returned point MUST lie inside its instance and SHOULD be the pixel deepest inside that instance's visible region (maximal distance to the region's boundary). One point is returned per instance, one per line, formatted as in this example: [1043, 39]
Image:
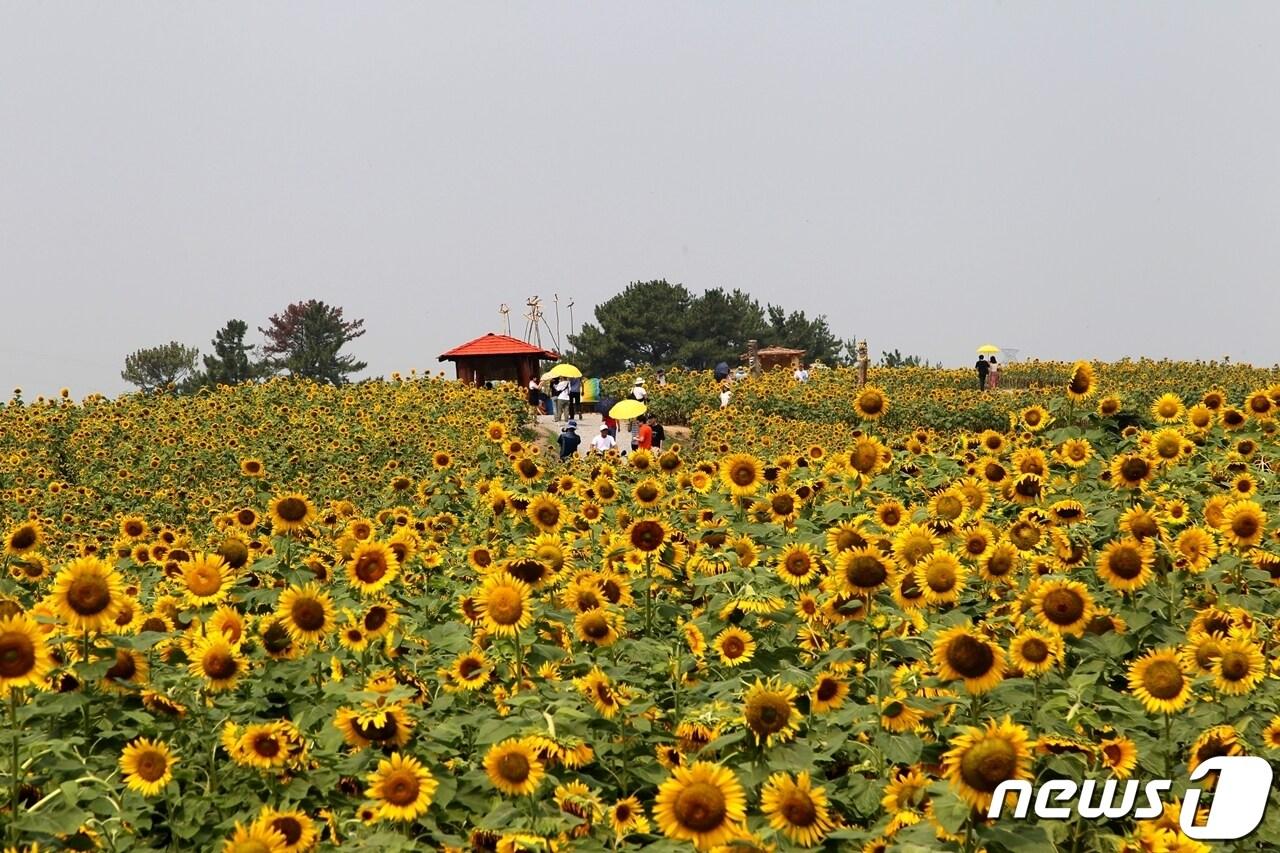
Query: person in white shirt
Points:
[725, 394]
[603, 442]
[801, 374]
[561, 389]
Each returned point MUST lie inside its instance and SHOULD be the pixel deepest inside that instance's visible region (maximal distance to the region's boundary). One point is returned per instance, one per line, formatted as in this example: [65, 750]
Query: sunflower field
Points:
[286, 617]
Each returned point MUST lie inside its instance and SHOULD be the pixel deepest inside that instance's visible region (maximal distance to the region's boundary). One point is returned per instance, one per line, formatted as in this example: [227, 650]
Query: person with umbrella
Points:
[983, 367]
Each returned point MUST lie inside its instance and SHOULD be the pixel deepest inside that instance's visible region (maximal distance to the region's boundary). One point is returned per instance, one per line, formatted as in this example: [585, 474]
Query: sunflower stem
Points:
[519, 674]
[15, 767]
[1168, 744]
[648, 594]
[88, 695]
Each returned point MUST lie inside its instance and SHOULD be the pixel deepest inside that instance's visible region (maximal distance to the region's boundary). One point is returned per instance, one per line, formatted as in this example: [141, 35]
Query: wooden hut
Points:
[773, 357]
[498, 358]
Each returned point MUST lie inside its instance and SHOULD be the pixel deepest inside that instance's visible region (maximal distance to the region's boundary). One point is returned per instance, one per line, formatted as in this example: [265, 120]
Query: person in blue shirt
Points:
[569, 439]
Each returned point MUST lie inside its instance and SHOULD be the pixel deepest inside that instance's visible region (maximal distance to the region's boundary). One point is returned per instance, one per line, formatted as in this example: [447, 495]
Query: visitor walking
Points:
[643, 439]
[569, 439]
[722, 371]
[993, 375]
[575, 397]
[983, 369]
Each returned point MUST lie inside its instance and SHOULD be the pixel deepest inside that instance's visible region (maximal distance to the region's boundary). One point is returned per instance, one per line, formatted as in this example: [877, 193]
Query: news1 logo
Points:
[1239, 799]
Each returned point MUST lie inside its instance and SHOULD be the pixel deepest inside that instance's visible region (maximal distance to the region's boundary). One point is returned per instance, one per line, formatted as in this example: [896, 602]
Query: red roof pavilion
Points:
[497, 358]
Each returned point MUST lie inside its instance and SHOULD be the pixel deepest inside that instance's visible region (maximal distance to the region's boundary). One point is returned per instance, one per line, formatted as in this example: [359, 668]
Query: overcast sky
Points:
[1073, 179]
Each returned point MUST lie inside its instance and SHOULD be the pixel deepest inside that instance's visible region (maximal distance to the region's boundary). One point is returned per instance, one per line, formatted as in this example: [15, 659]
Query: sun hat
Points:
[572, 424]
[640, 381]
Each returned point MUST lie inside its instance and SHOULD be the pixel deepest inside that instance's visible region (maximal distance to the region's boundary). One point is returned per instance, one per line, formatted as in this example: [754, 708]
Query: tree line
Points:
[664, 324]
[305, 341]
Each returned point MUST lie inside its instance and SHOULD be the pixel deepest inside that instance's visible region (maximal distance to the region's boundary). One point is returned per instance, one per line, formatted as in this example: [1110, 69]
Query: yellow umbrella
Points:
[566, 370]
[988, 349]
[625, 410]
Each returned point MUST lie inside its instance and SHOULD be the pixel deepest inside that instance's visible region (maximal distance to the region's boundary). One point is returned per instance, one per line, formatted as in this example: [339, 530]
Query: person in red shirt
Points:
[644, 438]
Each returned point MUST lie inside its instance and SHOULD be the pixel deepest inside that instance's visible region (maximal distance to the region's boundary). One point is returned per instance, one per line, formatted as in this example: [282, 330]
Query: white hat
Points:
[639, 381]
[603, 427]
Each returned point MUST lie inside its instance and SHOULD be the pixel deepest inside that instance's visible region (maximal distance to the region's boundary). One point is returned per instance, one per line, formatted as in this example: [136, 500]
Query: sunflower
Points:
[606, 698]
[598, 627]
[742, 474]
[87, 593]
[1168, 409]
[1239, 667]
[1063, 606]
[1243, 524]
[147, 766]
[702, 803]
[1035, 652]
[23, 538]
[959, 653]
[796, 565]
[844, 536]
[371, 566]
[1120, 755]
[1126, 564]
[25, 659]
[1158, 681]
[941, 578]
[647, 535]
[217, 660]
[470, 670]
[291, 513]
[546, 512]
[256, 838]
[796, 808]
[913, 543]
[734, 646]
[783, 507]
[982, 758]
[1075, 452]
[1271, 734]
[861, 571]
[298, 830]
[513, 767]
[828, 692]
[1212, 743]
[977, 541]
[402, 787]
[1131, 470]
[306, 612]
[1001, 564]
[503, 605]
[626, 816]
[949, 505]
[867, 457]
[871, 403]
[1034, 418]
[265, 746]
[896, 715]
[648, 493]
[374, 725]
[1081, 384]
[768, 711]
[1109, 406]
[206, 579]
[890, 513]
[130, 668]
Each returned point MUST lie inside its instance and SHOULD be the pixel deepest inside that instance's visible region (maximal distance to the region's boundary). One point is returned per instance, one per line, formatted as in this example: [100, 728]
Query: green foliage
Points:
[897, 359]
[159, 368]
[230, 363]
[305, 340]
[664, 324]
